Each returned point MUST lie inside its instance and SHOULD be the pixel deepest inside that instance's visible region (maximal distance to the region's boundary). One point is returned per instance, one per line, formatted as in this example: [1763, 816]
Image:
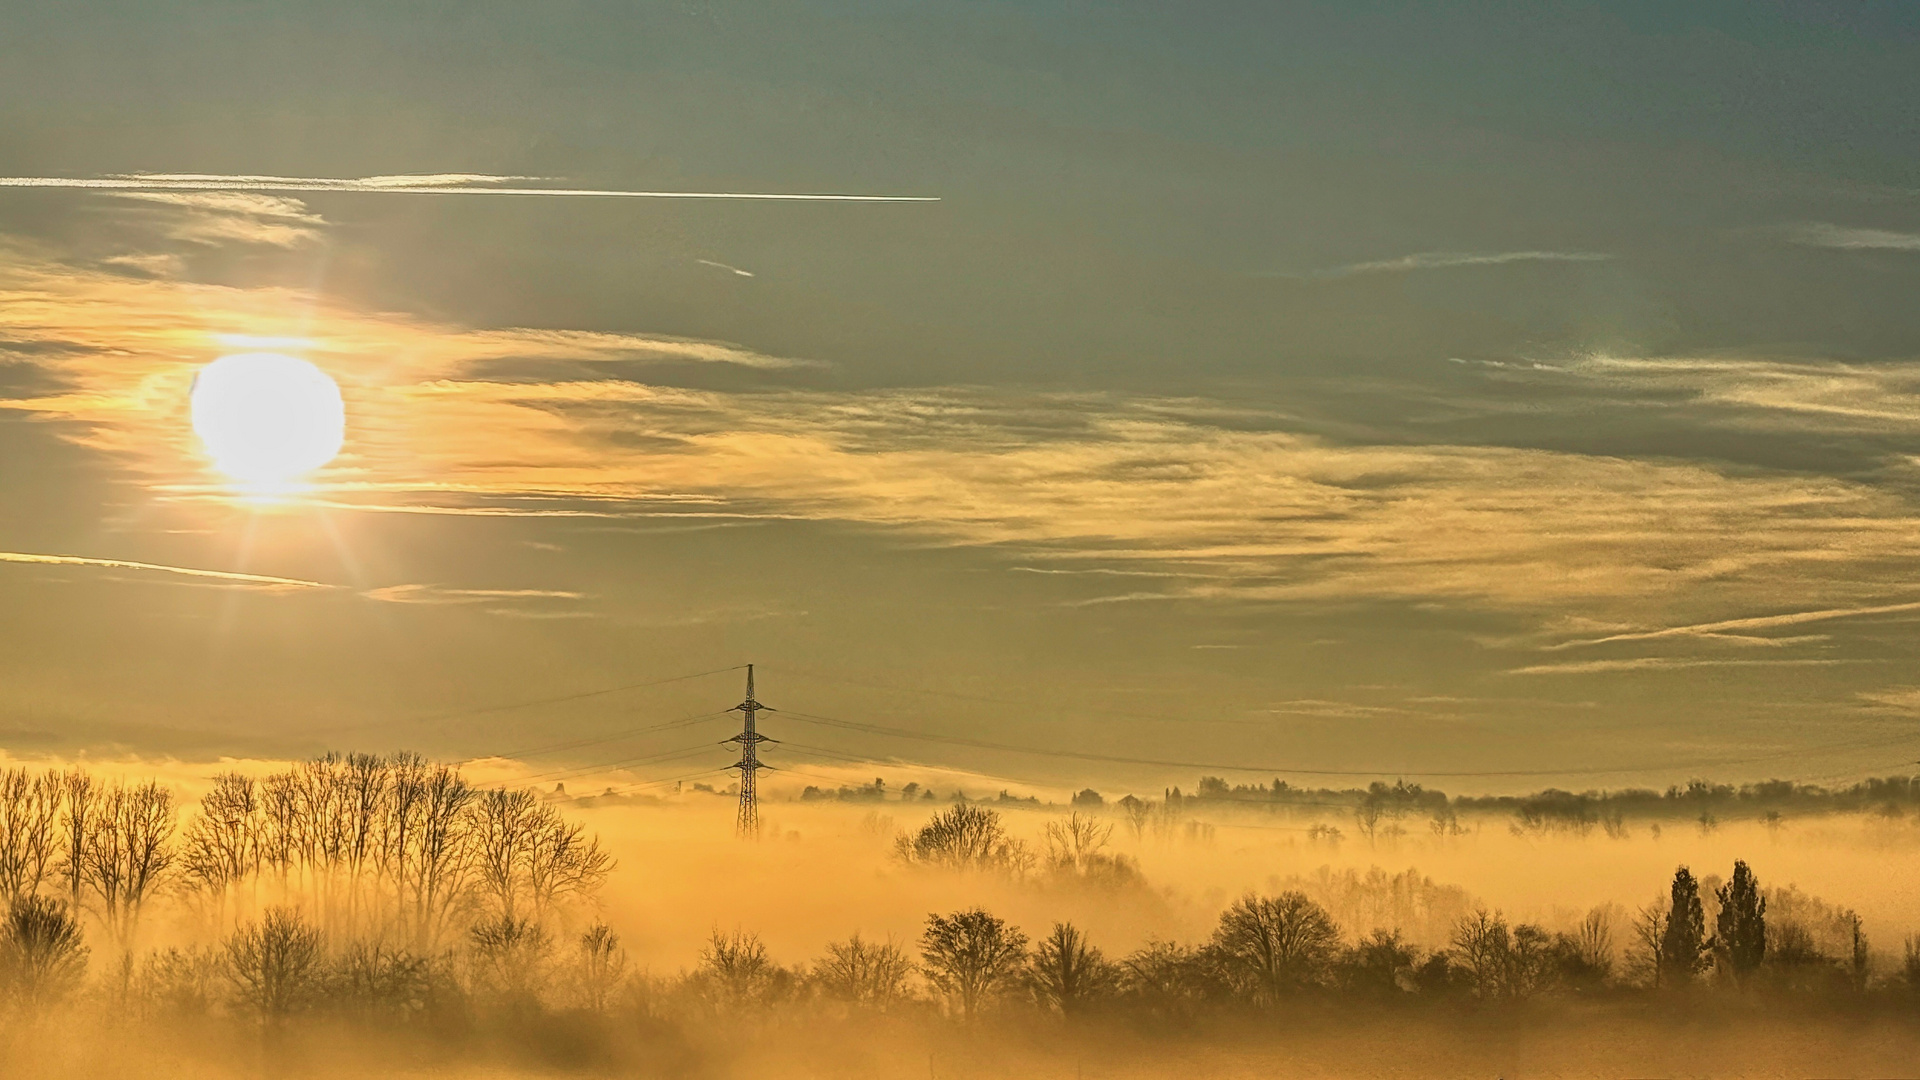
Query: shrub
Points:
[42, 956]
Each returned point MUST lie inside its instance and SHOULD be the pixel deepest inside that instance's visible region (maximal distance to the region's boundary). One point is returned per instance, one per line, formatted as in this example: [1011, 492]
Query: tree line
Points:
[400, 856]
[318, 909]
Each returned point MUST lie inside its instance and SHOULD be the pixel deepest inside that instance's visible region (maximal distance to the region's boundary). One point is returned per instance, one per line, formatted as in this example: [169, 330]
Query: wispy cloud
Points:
[426, 184]
[214, 217]
[1673, 663]
[438, 594]
[1725, 628]
[1233, 501]
[1820, 234]
[260, 581]
[1440, 260]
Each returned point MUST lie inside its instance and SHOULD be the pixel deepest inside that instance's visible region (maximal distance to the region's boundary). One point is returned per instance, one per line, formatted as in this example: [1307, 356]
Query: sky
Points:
[1493, 396]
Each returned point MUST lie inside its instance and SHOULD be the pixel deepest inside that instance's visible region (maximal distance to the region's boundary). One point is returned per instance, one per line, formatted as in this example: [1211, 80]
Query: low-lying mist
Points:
[388, 916]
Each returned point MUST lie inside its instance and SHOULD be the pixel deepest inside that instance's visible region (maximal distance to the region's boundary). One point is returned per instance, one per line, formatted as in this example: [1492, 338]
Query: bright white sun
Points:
[267, 419]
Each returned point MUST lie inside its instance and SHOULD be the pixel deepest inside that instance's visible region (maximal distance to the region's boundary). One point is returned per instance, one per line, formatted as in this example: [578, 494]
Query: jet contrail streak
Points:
[388, 186]
[161, 568]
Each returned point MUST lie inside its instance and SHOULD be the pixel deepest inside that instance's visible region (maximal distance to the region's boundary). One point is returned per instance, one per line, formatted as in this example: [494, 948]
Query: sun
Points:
[267, 419]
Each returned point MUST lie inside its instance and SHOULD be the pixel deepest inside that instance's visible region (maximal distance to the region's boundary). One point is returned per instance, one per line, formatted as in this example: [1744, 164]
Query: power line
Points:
[646, 759]
[530, 704]
[1038, 708]
[1080, 755]
[682, 722]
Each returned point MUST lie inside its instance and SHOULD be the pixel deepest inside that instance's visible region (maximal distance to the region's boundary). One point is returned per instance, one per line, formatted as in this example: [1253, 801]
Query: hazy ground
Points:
[826, 869]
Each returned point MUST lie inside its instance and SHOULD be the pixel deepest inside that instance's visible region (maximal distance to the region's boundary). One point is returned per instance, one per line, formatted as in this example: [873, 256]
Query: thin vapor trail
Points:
[408, 185]
[186, 571]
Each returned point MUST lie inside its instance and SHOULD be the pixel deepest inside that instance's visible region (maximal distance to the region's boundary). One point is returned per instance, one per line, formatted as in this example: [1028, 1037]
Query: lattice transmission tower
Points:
[748, 823]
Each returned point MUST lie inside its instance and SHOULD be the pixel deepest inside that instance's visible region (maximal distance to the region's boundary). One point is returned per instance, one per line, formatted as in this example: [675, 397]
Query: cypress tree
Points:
[1741, 929]
[1685, 939]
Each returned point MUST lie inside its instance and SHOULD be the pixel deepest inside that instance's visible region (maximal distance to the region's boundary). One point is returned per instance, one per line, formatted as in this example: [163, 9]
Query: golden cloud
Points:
[1177, 486]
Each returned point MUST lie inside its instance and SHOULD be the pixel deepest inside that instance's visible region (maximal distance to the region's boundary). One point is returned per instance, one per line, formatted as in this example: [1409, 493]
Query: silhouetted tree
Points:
[1076, 848]
[971, 956]
[1740, 928]
[864, 972]
[1483, 952]
[29, 831]
[1649, 931]
[509, 957]
[1169, 980]
[1683, 944]
[1379, 964]
[274, 965]
[1594, 943]
[600, 965]
[1067, 972]
[1275, 944]
[222, 846]
[127, 849]
[174, 982]
[965, 837]
[736, 970]
[1859, 956]
[42, 956]
[374, 982]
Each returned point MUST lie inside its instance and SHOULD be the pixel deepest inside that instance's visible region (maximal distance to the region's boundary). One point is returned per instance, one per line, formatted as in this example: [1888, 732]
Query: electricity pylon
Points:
[748, 823]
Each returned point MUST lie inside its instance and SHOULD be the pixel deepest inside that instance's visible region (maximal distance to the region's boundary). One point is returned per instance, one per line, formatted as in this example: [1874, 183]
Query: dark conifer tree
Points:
[1741, 929]
[1682, 947]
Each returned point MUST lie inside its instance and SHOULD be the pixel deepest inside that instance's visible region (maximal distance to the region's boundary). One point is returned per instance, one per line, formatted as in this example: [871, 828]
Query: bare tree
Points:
[505, 826]
[1649, 930]
[176, 982]
[1076, 848]
[29, 831]
[76, 824]
[363, 799]
[222, 845]
[863, 972]
[1859, 956]
[1594, 941]
[1378, 964]
[280, 838]
[600, 967]
[736, 971]
[965, 837]
[440, 867]
[971, 956]
[128, 852]
[562, 861]
[1067, 972]
[1276, 943]
[274, 965]
[510, 958]
[1170, 980]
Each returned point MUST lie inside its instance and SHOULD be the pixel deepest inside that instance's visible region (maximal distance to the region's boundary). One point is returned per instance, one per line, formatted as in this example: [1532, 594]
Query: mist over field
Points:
[637, 935]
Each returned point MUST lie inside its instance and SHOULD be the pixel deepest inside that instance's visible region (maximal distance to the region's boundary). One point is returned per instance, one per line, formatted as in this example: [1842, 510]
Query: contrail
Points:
[188, 571]
[447, 184]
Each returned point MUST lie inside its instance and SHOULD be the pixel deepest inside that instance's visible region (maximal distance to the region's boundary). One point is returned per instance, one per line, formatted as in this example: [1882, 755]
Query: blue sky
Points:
[1398, 389]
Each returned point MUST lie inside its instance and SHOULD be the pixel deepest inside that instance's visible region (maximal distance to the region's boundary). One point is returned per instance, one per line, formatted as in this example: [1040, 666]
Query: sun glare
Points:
[267, 419]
